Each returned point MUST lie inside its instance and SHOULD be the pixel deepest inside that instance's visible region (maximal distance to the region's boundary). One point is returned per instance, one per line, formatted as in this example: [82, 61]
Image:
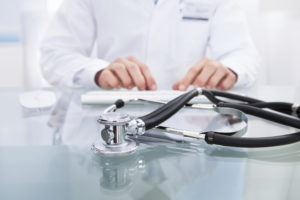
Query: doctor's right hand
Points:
[127, 73]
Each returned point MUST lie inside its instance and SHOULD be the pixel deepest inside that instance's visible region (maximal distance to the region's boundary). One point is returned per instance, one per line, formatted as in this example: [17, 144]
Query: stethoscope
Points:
[118, 127]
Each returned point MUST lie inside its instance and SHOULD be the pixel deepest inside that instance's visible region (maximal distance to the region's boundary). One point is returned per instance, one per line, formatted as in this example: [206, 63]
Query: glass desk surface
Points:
[46, 154]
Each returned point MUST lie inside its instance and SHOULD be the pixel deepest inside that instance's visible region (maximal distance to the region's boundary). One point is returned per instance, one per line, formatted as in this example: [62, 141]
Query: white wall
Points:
[12, 58]
[280, 5]
[275, 27]
[11, 61]
[282, 43]
[10, 53]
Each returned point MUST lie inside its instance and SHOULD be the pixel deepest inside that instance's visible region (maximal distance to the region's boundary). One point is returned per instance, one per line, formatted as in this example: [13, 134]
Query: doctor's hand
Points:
[207, 73]
[127, 73]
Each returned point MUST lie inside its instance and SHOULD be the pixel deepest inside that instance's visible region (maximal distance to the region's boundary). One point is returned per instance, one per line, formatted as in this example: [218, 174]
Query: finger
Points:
[120, 70]
[108, 80]
[136, 75]
[217, 77]
[228, 82]
[192, 74]
[176, 86]
[150, 81]
[205, 75]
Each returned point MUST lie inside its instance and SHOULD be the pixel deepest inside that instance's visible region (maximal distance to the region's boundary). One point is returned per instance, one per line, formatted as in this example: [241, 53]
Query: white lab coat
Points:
[161, 35]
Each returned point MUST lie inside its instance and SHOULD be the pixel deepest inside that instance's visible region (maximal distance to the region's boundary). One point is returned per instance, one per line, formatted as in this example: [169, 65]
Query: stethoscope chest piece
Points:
[115, 142]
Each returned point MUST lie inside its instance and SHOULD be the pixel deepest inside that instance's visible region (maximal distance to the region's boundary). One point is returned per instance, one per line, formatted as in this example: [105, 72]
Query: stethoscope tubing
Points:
[268, 115]
[244, 142]
[283, 107]
[165, 112]
[247, 105]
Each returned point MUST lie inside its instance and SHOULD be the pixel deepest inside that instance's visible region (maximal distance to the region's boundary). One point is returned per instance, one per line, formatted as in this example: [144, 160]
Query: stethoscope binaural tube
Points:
[283, 107]
[165, 107]
[268, 115]
[168, 110]
[165, 112]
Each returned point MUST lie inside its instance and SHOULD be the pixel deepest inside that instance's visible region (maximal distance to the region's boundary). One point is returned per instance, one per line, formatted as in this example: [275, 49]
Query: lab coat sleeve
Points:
[231, 44]
[66, 48]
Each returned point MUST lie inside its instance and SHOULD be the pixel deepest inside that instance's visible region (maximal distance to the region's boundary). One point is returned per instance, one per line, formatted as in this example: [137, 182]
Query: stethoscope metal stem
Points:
[180, 132]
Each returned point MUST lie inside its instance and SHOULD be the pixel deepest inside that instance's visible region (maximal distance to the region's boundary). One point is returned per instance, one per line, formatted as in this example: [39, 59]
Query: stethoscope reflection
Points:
[118, 173]
[156, 165]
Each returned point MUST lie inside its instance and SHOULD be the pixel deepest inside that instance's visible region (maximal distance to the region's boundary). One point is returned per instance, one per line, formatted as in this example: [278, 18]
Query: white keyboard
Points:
[109, 97]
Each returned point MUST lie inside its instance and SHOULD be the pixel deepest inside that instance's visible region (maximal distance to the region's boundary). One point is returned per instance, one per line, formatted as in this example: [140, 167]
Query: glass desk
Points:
[46, 154]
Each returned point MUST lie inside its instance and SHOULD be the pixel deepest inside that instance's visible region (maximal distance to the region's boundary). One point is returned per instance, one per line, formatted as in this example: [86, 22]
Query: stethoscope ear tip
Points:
[120, 103]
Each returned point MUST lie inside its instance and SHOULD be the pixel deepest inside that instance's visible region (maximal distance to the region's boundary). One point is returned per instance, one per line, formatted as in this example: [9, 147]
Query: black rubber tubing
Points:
[282, 107]
[264, 114]
[163, 116]
[278, 106]
[218, 139]
[234, 96]
[274, 105]
[120, 103]
[211, 97]
[164, 107]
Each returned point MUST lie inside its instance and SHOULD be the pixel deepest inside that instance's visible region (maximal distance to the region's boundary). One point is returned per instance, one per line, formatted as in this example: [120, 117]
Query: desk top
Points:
[45, 154]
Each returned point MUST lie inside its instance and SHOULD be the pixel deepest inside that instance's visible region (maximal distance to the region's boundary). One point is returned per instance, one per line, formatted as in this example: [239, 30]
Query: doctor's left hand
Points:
[207, 73]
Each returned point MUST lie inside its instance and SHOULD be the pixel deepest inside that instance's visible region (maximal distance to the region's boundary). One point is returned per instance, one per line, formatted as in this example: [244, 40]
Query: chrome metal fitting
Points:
[116, 127]
[295, 108]
[200, 91]
[110, 109]
[136, 127]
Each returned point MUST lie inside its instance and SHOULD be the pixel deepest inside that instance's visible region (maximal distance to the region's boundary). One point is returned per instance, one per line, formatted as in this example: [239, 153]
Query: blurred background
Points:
[274, 24]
